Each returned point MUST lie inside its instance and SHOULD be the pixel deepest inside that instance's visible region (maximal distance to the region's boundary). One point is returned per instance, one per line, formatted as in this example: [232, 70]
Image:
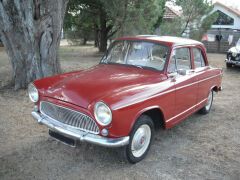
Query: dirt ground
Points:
[202, 147]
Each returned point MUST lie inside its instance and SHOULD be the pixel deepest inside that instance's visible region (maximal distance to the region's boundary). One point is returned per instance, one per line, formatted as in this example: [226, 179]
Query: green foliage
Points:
[143, 17]
[191, 21]
[161, 11]
[193, 12]
[201, 28]
[124, 17]
[208, 21]
[171, 28]
[79, 22]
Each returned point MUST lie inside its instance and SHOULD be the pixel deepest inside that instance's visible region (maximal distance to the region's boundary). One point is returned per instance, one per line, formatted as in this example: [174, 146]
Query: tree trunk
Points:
[31, 33]
[84, 41]
[96, 36]
[103, 32]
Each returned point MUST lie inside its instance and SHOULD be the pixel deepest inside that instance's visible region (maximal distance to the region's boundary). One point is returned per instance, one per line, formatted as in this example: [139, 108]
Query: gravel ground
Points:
[202, 147]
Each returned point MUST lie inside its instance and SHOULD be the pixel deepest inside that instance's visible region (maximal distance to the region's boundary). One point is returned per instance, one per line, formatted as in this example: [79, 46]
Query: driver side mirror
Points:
[182, 72]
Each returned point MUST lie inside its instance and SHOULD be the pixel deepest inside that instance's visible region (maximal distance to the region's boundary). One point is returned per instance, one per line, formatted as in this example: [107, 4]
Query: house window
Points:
[223, 19]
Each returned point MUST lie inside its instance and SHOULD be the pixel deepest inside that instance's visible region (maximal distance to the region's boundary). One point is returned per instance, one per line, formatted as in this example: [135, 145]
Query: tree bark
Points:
[31, 33]
[96, 35]
[103, 31]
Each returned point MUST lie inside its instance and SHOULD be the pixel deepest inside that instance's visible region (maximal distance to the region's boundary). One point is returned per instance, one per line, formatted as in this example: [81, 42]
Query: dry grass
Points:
[71, 58]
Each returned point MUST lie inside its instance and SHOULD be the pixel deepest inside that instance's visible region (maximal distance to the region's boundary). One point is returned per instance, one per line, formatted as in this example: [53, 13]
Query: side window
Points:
[198, 58]
[180, 59]
[172, 64]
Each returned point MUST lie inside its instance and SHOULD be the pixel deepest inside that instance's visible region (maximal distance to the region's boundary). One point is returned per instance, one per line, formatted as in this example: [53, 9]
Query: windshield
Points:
[137, 53]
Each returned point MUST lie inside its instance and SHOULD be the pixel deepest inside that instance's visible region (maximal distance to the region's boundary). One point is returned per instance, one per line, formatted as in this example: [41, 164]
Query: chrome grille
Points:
[69, 117]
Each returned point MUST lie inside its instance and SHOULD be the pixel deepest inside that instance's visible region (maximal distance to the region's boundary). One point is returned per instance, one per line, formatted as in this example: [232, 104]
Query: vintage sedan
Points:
[142, 83]
[233, 56]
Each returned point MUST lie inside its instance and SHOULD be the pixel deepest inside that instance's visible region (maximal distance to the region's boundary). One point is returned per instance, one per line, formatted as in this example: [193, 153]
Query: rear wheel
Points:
[208, 106]
[140, 139]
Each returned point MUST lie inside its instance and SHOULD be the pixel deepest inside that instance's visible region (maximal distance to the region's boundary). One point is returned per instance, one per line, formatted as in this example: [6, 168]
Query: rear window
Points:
[198, 58]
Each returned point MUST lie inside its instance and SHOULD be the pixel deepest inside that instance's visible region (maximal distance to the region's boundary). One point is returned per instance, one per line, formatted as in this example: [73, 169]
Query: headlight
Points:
[102, 114]
[33, 93]
[234, 54]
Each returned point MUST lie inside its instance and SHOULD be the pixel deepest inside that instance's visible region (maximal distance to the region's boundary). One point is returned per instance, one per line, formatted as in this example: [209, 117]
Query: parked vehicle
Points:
[233, 56]
[141, 83]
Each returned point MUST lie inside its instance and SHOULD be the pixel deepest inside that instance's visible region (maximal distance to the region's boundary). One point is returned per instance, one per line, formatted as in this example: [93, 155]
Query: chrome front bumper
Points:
[236, 63]
[78, 134]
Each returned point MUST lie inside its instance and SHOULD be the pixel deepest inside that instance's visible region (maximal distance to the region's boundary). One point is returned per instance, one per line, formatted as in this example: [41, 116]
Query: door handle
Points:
[173, 76]
[191, 71]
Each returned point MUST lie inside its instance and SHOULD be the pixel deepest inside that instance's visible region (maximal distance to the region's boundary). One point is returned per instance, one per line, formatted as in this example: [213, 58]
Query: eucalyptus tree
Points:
[31, 31]
[107, 19]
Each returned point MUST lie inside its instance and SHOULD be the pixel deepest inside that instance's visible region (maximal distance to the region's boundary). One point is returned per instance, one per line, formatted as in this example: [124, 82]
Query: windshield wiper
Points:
[138, 66]
[135, 65]
[144, 67]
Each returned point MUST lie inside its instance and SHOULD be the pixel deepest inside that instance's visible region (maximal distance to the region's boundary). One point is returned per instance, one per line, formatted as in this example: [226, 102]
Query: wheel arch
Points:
[155, 113]
[214, 88]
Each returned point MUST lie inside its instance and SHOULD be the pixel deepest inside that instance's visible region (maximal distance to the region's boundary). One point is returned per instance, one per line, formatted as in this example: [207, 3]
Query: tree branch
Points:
[188, 20]
[122, 22]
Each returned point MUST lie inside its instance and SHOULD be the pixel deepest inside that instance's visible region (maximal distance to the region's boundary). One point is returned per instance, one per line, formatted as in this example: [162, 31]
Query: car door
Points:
[202, 74]
[180, 64]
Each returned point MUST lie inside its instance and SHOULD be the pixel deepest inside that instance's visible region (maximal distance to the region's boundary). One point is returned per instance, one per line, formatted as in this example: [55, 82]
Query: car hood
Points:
[235, 49]
[99, 83]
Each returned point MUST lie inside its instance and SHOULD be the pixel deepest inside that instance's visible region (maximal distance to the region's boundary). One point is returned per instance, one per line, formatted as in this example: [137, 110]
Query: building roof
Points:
[170, 13]
[228, 8]
[167, 40]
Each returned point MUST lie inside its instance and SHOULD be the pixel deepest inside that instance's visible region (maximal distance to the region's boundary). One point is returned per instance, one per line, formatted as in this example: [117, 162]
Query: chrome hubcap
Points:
[141, 140]
[209, 101]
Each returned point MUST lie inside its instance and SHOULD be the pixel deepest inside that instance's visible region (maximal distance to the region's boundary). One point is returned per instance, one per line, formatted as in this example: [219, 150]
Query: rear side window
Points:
[198, 58]
[180, 59]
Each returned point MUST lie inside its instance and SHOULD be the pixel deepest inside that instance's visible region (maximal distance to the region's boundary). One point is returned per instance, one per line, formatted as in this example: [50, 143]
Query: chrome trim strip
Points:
[78, 134]
[210, 77]
[236, 62]
[166, 92]
[197, 82]
[186, 110]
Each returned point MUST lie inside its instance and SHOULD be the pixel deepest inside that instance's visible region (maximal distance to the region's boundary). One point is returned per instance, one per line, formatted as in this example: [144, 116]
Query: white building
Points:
[229, 17]
[225, 32]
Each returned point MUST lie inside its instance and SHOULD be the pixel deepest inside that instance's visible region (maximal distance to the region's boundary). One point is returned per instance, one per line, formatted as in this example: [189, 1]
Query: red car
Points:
[142, 83]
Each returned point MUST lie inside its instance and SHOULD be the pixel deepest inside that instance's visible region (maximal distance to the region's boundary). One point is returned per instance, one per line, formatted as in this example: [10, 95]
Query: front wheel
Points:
[207, 107]
[140, 139]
